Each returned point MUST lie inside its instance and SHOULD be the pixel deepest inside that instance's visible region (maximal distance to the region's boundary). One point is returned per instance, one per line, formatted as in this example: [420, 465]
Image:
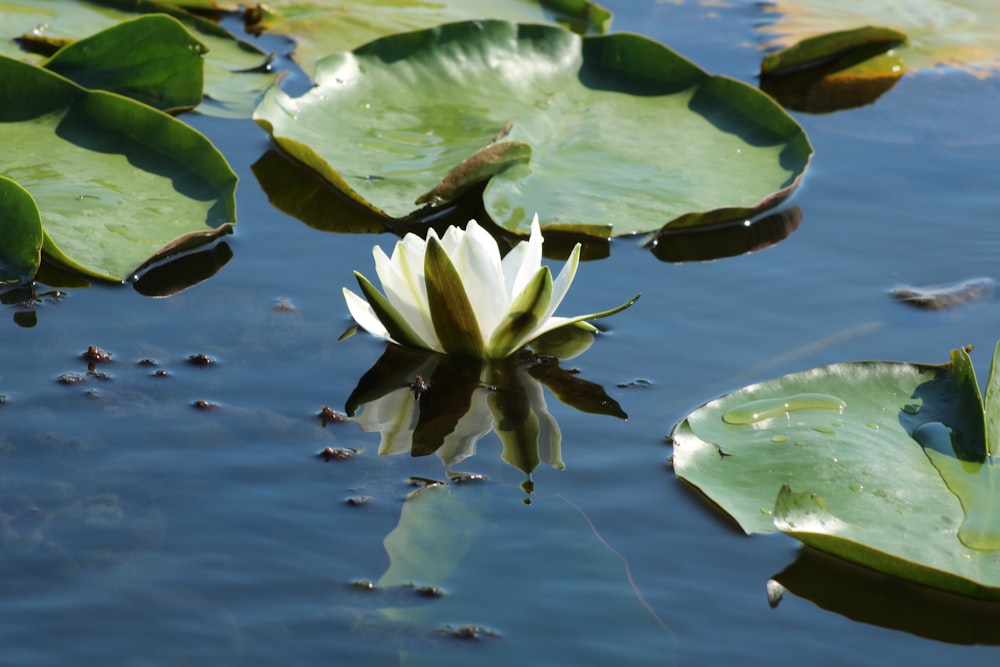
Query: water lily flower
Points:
[456, 295]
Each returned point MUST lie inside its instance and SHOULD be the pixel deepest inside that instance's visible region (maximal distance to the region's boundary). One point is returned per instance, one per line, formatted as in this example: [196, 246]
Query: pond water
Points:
[139, 529]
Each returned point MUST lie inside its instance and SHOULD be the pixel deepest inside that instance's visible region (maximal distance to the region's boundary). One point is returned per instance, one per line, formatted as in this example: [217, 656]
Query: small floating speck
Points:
[824, 429]
[779, 438]
[911, 408]
[857, 487]
[872, 425]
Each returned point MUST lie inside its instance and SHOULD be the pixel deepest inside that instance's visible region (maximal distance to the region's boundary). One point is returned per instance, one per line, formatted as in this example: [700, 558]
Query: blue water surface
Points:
[137, 529]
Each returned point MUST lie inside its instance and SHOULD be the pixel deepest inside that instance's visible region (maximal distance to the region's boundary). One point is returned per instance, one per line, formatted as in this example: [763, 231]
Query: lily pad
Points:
[235, 72]
[960, 34]
[815, 50]
[117, 183]
[625, 135]
[833, 71]
[321, 27]
[152, 59]
[20, 235]
[884, 464]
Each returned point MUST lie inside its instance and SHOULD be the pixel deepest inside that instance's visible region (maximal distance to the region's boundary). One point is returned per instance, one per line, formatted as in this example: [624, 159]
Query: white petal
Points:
[562, 282]
[407, 293]
[523, 261]
[363, 314]
[477, 260]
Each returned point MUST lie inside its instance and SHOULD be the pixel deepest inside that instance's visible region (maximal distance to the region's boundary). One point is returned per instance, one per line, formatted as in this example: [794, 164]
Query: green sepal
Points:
[388, 315]
[595, 316]
[992, 406]
[524, 316]
[451, 312]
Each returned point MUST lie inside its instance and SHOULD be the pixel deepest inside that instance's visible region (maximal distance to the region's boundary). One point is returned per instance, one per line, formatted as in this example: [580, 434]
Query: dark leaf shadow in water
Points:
[732, 234]
[180, 273]
[866, 596]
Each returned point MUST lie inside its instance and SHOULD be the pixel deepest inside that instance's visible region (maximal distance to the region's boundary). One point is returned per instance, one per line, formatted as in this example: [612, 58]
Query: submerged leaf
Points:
[942, 297]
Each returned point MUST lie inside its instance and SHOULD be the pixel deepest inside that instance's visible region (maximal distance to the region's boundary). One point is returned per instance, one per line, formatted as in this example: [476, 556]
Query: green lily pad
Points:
[117, 183]
[321, 27]
[883, 464]
[235, 72]
[152, 59]
[625, 135]
[20, 235]
[834, 71]
[942, 33]
[814, 50]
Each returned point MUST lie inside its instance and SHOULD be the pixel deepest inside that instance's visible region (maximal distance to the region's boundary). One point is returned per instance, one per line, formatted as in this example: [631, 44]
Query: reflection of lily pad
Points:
[584, 608]
[625, 135]
[884, 464]
[235, 74]
[951, 33]
[874, 598]
[117, 183]
[321, 27]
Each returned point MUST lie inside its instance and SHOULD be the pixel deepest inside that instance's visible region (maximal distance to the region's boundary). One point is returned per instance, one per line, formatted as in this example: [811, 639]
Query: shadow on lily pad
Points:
[298, 191]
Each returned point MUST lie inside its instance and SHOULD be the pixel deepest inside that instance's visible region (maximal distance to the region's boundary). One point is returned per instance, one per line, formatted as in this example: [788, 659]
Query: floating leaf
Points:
[814, 51]
[321, 27]
[235, 72]
[20, 235]
[117, 184]
[950, 33]
[625, 135]
[152, 59]
[834, 71]
[883, 464]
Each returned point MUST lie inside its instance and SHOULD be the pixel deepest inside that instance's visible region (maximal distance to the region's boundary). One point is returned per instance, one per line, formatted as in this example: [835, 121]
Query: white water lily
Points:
[456, 295]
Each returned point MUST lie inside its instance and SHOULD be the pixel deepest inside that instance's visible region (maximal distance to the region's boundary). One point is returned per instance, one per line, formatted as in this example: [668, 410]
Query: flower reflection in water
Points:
[427, 403]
